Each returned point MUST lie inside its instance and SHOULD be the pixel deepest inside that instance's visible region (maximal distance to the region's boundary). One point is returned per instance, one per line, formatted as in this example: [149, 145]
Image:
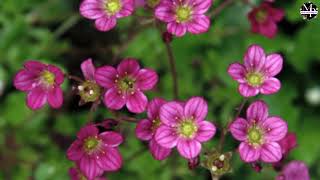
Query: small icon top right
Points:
[309, 10]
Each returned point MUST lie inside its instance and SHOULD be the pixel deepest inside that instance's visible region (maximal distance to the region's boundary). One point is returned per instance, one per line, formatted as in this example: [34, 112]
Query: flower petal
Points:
[276, 128]
[127, 8]
[87, 131]
[166, 137]
[111, 139]
[188, 148]
[158, 152]
[89, 167]
[238, 129]
[111, 160]
[146, 79]
[277, 14]
[153, 108]
[59, 76]
[271, 152]
[201, 6]
[247, 90]
[24, 80]
[165, 13]
[55, 97]
[197, 108]
[105, 23]
[113, 99]
[273, 64]
[88, 69]
[171, 113]
[176, 29]
[105, 76]
[137, 102]
[206, 131]
[143, 129]
[92, 9]
[36, 98]
[254, 58]
[128, 66]
[34, 66]
[75, 151]
[257, 111]
[268, 29]
[199, 24]
[270, 86]
[238, 72]
[248, 153]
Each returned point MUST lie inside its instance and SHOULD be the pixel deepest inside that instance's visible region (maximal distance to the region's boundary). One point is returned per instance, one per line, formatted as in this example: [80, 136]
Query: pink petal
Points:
[188, 148]
[128, 66]
[59, 76]
[127, 8]
[248, 153]
[238, 129]
[270, 86]
[153, 108]
[34, 66]
[89, 167]
[113, 99]
[201, 6]
[254, 58]
[36, 98]
[247, 90]
[277, 14]
[92, 9]
[294, 170]
[146, 79]
[24, 80]
[105, 23]
[257, 111]
[111, 160]
[166, 137]
[105, 76]
[271, 152]
[197, 108]
[276, 128]
[55, 97]
[137, 102]
[269, 29]
[88, 69]
[176, 29]
[199, 24]
[111, 139]
[165, 12]
[238, 72]
[206, 131]
[273, 64]
[158, 152]
[73, 173]
[87, 131]
[75, 151]
[143, 129]
[288, 143]
[171, 113]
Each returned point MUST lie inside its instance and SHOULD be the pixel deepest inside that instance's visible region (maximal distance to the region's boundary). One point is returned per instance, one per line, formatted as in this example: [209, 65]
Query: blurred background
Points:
[33, 144]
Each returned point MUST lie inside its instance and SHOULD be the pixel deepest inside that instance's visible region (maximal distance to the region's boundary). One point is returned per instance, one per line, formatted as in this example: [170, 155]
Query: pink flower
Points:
[95, 153]
[288, 143]
[89, 90]
[295, 170]
[257, 73]
[184, 15]
[259, 134]
[146, 129]
[106, 12]
[185, 127]
[75, 174]
[126, 85]
[42, 83]
[264, 19]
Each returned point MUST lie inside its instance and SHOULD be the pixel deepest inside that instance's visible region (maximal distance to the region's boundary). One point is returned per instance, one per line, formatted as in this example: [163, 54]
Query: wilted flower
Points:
[106, 12]
[217, 163]
[126, 85]
[146, 129]
[42, 83]
[185, 127]
[95, 153]
[257, 73]
[264, 19]
[295, 170]
[259, 134]
[184, 15]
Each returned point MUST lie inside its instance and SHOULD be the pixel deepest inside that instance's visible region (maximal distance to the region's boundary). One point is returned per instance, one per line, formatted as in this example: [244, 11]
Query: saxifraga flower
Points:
[42, 84]
[294, 170]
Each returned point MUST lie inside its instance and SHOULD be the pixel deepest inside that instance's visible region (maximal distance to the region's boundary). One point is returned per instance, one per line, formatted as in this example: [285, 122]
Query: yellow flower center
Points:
[126, 84]
[187, 128]
[255, 136]
[261, 16]
[91, 144]
[112, 6]
[255, 79]
[183, 14]
[48, 77]
[89, 91]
